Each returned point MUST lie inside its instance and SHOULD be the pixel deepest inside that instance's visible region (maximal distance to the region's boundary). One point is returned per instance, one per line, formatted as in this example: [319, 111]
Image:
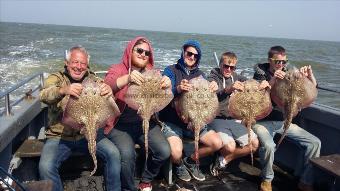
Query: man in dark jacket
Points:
[266, 129]
[187, 68]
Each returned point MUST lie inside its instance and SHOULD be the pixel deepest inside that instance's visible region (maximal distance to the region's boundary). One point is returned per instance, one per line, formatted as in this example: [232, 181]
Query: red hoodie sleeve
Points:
[111, 77]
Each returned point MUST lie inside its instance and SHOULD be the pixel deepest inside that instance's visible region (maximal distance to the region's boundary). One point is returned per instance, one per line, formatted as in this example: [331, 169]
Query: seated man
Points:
[230, 131]
[266, 129]
[63, 140]
[187, 68]
[127, 129]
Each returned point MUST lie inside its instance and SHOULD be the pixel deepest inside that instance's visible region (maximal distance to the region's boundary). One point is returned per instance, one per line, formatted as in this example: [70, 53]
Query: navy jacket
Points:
[177, 73]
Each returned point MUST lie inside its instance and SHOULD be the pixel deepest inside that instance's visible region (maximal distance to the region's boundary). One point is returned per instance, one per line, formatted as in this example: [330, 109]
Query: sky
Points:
[312, 20]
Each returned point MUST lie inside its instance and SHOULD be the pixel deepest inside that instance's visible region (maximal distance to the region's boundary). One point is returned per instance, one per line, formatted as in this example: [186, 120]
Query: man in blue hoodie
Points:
[175, 130]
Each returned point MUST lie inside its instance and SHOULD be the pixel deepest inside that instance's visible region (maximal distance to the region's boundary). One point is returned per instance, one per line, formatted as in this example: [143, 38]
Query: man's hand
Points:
[279, 74]
[213, 86]
[308, 72]
[184, 86]
[235, 86]
[136, 77]
[165, 82]
[105, 90]
[74, 89]
[264, 84]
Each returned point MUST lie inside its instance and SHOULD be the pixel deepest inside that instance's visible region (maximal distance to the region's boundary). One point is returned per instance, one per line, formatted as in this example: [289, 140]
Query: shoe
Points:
[194, 170]
[266, 186]
[182, 173]
[145, 186]
[305, 187]
[216, 168]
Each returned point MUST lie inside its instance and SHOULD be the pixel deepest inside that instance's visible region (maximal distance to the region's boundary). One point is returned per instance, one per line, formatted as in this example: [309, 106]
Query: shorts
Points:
[170, 129]
[230, 130]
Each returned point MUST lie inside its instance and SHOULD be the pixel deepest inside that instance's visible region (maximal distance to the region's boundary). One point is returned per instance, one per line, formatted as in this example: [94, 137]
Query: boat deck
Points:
[239, 175]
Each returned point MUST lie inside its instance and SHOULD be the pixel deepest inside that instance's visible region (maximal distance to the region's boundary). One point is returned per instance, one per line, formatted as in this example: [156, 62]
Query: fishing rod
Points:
[318, 86]
[327, 89]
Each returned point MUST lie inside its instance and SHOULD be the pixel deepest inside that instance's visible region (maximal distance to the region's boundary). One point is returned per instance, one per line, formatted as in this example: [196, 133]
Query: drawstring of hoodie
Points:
[232, 80]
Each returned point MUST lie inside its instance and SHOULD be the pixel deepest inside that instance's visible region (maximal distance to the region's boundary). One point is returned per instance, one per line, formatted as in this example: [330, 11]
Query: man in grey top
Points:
[230, 130]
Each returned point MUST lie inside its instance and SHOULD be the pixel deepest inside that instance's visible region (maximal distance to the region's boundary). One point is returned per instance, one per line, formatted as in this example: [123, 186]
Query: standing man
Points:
[63, 140]
[272, 71]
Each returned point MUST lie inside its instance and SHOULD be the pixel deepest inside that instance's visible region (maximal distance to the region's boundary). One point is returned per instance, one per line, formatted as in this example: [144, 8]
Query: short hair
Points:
[276, 50]
[78, 48]
[228, 57]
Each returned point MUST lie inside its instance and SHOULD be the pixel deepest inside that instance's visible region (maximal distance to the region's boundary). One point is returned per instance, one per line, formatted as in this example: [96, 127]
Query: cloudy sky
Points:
[314, 20]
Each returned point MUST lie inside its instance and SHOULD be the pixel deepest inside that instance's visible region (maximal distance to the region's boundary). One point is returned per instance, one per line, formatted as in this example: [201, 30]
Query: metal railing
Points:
[6, 183]
[7, 92]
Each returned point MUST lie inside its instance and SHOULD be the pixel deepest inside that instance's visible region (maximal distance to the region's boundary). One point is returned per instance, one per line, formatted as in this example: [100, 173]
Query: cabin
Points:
[22, 125]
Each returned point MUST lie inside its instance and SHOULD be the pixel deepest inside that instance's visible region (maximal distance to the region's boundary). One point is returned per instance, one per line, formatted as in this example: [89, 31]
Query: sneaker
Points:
[266, 186]
[194, 170]
[182, 173]
[216, 167]
[145, 186]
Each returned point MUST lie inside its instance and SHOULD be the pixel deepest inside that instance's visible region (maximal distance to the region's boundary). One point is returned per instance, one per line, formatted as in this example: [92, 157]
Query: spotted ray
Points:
[88, 113]
[292, 94]
[250, 105]
[148, 98]
[197, 107]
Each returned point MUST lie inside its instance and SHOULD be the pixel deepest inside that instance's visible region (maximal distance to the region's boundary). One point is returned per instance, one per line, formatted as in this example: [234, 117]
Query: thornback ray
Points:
[148, 98]
[88, 113]
[291, 94]
[250, 105]
[197, 107]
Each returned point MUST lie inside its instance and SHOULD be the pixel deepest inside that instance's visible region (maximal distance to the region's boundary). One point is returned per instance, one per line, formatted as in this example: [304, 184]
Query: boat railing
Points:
[6, 93]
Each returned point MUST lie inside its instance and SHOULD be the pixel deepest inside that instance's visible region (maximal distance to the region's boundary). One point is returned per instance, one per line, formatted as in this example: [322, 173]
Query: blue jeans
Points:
[124, 136]
[266, 130]
[56, 151]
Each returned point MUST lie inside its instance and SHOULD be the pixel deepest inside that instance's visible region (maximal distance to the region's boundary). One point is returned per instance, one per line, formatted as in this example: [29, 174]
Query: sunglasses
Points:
[189, 54]
[277, 62]
[225, 66]
[141, 50]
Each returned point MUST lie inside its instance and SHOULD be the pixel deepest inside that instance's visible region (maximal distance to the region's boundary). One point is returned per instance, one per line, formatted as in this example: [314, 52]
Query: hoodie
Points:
[177, 73]
[223, 97]
[121, 69]
[262, 72]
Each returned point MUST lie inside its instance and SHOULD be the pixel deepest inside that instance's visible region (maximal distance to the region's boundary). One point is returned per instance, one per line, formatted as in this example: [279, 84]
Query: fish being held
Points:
[88, 113]
[197, 107]
[148, 98]
[293, 93]
[250, 105]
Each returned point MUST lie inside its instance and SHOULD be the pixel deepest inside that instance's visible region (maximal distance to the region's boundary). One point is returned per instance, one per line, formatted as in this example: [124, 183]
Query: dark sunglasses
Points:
[225, 66]
[189, 54]
[141, 50]
[283, 62]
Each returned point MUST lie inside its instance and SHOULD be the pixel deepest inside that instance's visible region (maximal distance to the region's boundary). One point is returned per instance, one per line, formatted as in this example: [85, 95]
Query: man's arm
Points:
[213, 77]
[112, 76]
[168, 72]
[51, 91]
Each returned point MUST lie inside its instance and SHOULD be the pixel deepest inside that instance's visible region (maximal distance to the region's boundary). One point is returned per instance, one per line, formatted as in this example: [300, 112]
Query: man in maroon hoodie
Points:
[127, 131]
